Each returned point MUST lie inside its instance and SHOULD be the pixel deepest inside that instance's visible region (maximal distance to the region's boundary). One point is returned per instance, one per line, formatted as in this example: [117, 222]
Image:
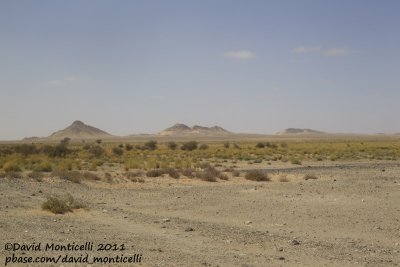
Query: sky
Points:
[249, 66]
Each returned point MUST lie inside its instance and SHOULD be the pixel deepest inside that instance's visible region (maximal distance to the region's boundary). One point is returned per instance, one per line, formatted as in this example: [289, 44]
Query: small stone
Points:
[281, 258]
[189, 229]
[166, 220]
[362, 200]
[294, 242]
[248, 222]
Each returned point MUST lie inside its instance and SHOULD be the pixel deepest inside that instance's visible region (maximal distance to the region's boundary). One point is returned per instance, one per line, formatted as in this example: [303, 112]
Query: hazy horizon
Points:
[130, 67]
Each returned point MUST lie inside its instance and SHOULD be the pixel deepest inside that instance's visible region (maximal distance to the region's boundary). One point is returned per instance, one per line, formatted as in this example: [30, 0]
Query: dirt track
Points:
[349, 216]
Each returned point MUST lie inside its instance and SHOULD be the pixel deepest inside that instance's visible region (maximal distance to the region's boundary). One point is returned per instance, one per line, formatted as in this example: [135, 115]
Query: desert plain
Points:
[313, 210]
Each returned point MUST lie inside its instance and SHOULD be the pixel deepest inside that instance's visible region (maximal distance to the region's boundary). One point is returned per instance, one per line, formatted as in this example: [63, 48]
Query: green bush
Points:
[150, 145]
[96, 151]
[118, 151]
[172, 145]
[189, 146]
[260, 145]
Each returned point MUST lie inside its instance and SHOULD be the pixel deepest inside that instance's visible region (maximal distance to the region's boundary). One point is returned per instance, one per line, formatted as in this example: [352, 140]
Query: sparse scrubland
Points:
[62, 159]
[236, 203]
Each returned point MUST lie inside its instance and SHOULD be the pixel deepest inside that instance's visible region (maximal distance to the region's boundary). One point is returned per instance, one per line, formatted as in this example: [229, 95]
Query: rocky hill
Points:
[80, 130]
[184, 130]
[299, 131]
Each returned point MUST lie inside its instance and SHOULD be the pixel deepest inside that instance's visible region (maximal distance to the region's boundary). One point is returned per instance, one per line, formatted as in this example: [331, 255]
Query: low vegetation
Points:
[310, 177]
[76, 162]
[61, 204]
[257, 175]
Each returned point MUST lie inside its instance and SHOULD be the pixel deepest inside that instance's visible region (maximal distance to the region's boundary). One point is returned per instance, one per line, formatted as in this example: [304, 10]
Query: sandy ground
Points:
[349, 216]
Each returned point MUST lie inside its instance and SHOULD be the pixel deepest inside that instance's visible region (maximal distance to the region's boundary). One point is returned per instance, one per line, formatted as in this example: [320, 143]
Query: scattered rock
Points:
[189, 229]
[281, 258]
[166, 220]
[294, 242]
[248, 222]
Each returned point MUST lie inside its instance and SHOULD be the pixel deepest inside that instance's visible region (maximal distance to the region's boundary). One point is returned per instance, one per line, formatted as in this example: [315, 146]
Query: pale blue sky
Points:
[249, 66]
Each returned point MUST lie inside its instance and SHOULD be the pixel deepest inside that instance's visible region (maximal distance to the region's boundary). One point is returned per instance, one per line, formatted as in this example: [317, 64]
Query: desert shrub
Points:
[295, 161]
[159, 172]
[172, 145]
[38, 176]
[86, 147]
[128, 147]
[189, 146]
[236, 146]
[188, 172]
[227, 144]
[61, 205]
[256, 175]
[283, 179]
[16, 175]
[108, 178]
[154, 173]
[236, 173]
[59, 150]
[11, 166]
[118, 151]
[73, 176]
[223, 176]
[203, 146]
[96, 151]
[90, 176]
[43, 167]
[137, 180]
[98, 141]
[260, 145]
[26, 149]
[172, 172]
[208, 173]
[130, 175]
[310, 177]
[150, 145]
[206, 176]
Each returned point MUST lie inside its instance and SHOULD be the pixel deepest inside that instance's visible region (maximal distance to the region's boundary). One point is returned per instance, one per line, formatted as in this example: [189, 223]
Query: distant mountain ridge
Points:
[182, 129]
[299, 131]
[80, 130]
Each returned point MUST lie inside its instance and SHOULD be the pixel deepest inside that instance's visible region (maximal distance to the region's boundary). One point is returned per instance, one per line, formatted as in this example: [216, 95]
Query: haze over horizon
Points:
[131, 67]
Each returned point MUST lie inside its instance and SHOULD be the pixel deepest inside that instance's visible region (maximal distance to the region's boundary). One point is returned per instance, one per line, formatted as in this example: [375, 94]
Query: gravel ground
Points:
[349, 216]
